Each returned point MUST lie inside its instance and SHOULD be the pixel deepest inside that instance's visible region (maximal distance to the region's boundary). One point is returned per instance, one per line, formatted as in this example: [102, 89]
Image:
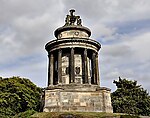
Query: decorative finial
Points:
[71, 19]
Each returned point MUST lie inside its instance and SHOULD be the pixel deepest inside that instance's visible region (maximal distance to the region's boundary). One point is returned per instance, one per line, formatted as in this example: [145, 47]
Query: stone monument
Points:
[73, 73]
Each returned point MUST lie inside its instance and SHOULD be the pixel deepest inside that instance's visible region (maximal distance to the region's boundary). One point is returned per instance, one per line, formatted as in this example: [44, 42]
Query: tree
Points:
[18, 95]
[130, 98]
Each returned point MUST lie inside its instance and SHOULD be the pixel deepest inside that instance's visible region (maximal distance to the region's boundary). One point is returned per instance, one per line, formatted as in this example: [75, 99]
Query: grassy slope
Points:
[74, 115]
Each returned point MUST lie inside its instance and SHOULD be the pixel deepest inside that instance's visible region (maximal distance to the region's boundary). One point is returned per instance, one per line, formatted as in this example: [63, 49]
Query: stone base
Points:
[81, 98]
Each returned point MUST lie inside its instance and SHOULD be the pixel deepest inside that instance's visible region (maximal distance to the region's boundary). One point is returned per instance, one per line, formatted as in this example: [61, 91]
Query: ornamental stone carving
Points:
[71, 19]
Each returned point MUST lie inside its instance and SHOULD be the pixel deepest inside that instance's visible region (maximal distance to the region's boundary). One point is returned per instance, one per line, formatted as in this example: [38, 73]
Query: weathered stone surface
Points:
[66, 99]
[73, 33]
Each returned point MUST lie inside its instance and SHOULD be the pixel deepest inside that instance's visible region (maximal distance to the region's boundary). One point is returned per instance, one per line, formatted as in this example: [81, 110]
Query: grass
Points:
[74, 115]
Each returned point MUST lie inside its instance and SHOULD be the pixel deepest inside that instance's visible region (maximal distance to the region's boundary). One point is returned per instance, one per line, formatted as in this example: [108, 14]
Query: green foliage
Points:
[129, 116]
[18, 95]
[26, 114]
[130, 98]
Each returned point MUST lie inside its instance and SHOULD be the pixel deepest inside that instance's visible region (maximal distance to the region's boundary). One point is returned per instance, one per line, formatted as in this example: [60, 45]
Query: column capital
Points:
[85, 50]
[60, 50]
[96, 54]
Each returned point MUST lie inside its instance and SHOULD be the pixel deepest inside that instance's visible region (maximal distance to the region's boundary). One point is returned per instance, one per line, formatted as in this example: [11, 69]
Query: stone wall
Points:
[83, 100]
[65, 69]
[77, 67]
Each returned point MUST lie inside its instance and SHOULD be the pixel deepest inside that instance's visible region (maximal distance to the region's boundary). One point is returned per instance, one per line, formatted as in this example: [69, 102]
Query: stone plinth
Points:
[81, 98]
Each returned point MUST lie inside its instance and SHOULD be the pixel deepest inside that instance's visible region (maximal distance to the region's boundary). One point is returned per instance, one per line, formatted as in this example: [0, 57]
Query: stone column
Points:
[85, 66]
[97, 70]
[93, 68]
[51, 68]
[72, 75]
[59, 66]
[48, 69]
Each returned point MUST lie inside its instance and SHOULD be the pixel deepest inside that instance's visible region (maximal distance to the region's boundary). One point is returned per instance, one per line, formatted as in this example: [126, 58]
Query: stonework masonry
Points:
[78, 98]
[73, 72]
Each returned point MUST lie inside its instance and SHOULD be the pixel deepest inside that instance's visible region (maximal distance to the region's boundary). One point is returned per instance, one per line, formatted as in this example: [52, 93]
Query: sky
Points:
[121, 26]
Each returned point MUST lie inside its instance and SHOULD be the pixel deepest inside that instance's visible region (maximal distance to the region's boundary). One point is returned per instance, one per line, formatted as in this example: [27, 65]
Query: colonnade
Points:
[55, 66]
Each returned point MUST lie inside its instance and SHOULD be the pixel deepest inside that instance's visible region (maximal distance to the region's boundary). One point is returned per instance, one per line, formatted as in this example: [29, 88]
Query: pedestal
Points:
[79, 98]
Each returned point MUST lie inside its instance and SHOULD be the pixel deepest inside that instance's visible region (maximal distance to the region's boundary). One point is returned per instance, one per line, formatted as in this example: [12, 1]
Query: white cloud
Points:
[104, 31]
[25, 27]
[141, 46]
[128, 59]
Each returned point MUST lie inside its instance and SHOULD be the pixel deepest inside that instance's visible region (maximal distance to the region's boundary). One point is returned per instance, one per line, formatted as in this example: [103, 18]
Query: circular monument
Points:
[73, 73]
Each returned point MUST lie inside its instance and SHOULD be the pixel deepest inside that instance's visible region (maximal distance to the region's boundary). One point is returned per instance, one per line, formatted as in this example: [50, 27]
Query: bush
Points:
[18, 95]
[130, 98]
[129, 116]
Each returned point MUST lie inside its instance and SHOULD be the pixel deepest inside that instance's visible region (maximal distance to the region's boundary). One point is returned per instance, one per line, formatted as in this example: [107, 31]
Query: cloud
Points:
[140, 45]
[121, 26]
[26, 27]
[128, 59]
[31, 67]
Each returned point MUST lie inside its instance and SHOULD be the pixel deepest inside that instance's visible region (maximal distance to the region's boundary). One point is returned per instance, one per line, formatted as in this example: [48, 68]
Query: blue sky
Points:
[121, 26]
